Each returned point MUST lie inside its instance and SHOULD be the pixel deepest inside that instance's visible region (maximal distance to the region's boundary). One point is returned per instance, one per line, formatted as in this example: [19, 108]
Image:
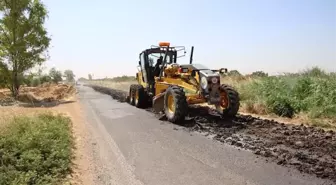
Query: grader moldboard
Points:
[170, 87]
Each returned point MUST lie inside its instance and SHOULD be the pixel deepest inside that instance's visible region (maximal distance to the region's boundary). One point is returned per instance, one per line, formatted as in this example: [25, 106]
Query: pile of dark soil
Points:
[119, 95]
[309, 149]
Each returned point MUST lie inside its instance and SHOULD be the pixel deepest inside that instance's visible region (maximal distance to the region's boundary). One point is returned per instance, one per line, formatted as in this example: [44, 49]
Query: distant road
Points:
[131, 146]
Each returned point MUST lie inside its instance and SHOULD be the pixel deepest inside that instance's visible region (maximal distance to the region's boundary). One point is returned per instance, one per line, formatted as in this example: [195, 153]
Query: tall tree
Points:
[55, 75]
[24, 40]
[69, 75]
[90, 76]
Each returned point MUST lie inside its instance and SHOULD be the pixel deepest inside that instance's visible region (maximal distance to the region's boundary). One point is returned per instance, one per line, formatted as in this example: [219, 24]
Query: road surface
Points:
[131, 146]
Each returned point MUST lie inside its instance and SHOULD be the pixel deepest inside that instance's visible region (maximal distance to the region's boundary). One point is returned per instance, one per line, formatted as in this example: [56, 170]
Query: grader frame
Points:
[173, 87]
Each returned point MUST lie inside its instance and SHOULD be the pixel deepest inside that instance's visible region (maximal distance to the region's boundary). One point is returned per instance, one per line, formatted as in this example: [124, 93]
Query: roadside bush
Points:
[311, 92]
[281, 107]
[55, 75]
[123, 78]
[3, 82]
[118, 79]
[36, 150]
[259, 74]
[3, 79]
[37, 80]
[45, 79]
[234, 73]
[34, 82]
[28, 79]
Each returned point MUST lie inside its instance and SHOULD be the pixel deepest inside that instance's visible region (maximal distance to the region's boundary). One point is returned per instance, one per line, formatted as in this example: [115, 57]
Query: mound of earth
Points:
[311, 150]
[47, 93]
[119, 95]
[5, 98]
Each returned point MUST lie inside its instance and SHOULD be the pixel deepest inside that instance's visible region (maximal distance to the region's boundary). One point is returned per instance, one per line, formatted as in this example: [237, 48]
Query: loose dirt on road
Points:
[308, 149]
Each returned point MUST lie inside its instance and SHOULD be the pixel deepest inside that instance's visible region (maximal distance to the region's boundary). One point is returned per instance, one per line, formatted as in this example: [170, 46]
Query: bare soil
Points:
[309, 149]
[45, 93]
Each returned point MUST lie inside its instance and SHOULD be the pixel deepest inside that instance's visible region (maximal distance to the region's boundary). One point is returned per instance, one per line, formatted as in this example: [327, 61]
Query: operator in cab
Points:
[157, 66]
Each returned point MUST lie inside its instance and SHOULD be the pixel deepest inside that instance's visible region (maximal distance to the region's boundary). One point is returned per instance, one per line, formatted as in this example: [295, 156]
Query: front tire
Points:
[175, 104]
[230, 101]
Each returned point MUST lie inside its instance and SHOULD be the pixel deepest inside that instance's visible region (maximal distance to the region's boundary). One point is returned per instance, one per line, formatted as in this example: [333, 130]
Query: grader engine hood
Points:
[205, 73]
[209, 81]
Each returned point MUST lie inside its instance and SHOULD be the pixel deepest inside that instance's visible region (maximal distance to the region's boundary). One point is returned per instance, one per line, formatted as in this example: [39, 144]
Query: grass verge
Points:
[36, 150]
[309, 95]
[124, 86]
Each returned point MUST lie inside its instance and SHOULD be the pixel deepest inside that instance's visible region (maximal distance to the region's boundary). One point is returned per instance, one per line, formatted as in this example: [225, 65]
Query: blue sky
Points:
[105, 37]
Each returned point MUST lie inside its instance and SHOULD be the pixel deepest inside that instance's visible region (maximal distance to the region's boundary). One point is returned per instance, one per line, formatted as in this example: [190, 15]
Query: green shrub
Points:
[35, 82]
[234, 73]
[259, 74]
[4, 78]
[311, 91]
[123, 78]
[36, 150]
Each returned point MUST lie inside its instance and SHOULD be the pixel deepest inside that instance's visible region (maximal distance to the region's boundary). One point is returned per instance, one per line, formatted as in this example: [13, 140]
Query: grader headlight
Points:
[204, 82]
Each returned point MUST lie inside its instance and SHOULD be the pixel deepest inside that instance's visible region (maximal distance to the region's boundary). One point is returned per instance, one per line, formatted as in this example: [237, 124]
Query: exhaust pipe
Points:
[191, 54]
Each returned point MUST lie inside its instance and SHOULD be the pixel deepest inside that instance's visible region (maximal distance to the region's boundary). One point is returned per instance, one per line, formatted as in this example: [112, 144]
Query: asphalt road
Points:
[131, 146]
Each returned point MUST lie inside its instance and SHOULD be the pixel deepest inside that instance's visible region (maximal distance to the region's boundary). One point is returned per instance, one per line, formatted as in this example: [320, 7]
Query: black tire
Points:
[180, 102]
[233, 101]
[131, 94]
[141, 100]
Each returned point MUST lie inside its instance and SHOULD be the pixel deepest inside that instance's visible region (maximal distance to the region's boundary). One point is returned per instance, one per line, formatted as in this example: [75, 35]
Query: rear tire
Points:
[233, 102]
[131, 94]
[175, 104]
[141, 97]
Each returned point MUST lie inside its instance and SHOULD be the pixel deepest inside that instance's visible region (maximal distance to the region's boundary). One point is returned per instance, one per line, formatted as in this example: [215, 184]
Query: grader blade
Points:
[158, 102]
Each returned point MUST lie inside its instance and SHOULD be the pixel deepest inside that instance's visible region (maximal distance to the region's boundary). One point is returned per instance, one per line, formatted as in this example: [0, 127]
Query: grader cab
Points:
[171, 87]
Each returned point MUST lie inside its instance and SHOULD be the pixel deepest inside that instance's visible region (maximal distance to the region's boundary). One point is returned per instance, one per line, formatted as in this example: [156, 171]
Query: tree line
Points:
[123, 78]
[54, 76]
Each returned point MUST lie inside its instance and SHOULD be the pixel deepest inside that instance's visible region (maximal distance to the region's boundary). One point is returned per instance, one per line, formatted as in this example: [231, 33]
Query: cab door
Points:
[144, 68]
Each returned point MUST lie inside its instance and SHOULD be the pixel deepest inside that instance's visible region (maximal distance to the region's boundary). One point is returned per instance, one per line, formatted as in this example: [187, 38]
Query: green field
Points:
[309, 94]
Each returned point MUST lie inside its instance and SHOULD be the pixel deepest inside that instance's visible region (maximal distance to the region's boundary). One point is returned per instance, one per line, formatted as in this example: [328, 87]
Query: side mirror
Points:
[223, 70]
[140, 63]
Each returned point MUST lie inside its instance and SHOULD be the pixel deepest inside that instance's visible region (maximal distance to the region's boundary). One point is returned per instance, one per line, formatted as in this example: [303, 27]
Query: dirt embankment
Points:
[45, 93]
[309, 149]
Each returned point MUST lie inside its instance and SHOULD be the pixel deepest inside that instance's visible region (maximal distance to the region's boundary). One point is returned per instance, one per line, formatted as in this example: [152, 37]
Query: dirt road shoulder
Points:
[83, 173]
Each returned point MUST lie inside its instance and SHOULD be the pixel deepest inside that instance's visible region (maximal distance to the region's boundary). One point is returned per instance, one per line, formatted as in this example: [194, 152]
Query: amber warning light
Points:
[162, 44]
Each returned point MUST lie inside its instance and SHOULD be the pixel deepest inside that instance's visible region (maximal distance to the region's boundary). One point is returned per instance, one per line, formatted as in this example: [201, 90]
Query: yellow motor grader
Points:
[170, 87]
